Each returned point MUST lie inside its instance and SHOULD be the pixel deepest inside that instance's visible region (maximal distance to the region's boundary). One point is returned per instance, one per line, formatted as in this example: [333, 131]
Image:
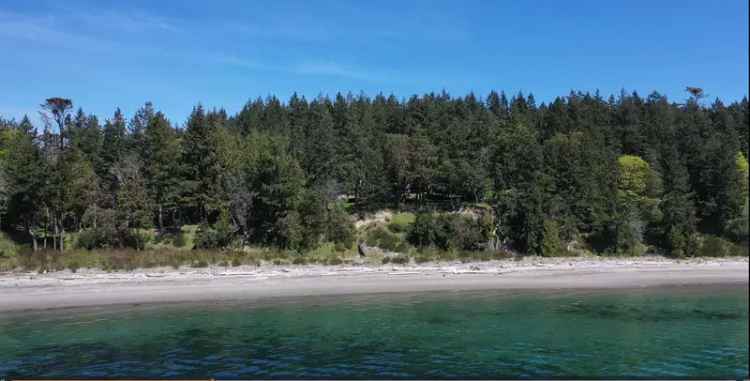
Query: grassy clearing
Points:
[391, 235]
[113, 260]
[401, 222]
[129, 259]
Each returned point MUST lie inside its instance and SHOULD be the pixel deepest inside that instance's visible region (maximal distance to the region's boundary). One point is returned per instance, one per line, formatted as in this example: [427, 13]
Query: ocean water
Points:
[681, 332]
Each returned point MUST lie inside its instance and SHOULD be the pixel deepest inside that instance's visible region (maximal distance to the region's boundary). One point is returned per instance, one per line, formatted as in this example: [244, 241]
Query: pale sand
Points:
[25, 291]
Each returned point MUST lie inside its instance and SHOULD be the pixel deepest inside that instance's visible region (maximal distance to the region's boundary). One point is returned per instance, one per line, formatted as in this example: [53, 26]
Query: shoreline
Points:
[91, 288]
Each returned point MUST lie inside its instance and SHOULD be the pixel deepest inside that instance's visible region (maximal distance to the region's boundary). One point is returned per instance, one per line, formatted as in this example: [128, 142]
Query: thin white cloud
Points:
[45, 30]
[81, 29]
[307, 68]
[332, 69]
[245, 63]
[132, 21]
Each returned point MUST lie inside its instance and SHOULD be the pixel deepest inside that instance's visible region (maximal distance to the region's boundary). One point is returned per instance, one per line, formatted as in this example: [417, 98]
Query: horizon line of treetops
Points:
[621, 175]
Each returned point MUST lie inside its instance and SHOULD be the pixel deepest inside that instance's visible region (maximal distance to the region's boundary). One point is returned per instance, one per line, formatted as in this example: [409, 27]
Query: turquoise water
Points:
[664, 333]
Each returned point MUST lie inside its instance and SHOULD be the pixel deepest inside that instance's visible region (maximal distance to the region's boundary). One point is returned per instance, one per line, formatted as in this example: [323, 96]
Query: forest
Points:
[623, 175]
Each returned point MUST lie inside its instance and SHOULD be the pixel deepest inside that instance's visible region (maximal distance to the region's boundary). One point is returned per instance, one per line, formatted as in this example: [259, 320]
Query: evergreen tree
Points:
[199, 154]
[678, 222]
[137, 127]
[114, 146]
[24, 172]
[319, 145]
[517, 165]
[161, 159]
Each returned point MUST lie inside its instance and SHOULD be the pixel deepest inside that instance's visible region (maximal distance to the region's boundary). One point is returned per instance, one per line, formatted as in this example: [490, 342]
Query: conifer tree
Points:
[161, 158]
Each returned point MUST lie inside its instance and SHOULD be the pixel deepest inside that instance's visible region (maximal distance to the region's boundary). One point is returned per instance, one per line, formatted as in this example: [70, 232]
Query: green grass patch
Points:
[400, 222]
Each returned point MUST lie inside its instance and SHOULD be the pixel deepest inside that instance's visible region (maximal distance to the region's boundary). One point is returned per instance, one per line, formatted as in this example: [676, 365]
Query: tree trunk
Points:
[54, 235]
[33, 238]
[46, 227]
[161, 218]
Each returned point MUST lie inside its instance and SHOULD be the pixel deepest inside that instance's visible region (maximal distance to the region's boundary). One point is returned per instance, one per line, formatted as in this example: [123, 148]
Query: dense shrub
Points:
[464, 233]
[289, 231]
[206, 238]
[93, 239]
[219, 235]
[423, 231]
[397, 228]
[135, 239]
[180, 240]
[8, 248]
[398, 260]
[713, 246]
[737, 229]
[101, 238]
[340, 227]
[199, 264]
[382, 238]
[341, 247]
[334, 261]
[447, 232]
[551, 244]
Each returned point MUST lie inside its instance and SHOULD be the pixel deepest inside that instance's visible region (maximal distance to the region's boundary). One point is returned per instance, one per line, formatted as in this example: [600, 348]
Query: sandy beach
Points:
[30, 291]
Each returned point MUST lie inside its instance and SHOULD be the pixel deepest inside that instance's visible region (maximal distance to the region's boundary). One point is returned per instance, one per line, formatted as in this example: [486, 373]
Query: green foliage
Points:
[677, 229]
[382, 238]
[334, 262]
[578, 176]
[713, 246]
[340, 227]
[277, 184]
[737, 228]
[199, 264]
[447, 232]
[551, 245]
[401, 222]
[105, 232]
[743, 170]
[180, 240]
[8, 248]
[289, 231]
[217, 236]
[93, 239]
[634, 177]
[397, 260]
[424, 231]
[623, 175]
[519, 183]
[161, 165]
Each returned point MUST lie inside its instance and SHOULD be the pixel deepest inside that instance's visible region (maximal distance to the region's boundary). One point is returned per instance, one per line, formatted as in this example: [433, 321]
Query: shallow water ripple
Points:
[677, 333]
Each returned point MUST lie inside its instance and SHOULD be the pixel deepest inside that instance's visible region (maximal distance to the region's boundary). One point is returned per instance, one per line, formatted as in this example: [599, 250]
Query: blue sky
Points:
[221, 53]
